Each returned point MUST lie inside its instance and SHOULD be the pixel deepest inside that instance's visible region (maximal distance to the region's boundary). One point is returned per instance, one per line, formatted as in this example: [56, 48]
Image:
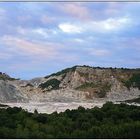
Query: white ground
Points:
[50, 107]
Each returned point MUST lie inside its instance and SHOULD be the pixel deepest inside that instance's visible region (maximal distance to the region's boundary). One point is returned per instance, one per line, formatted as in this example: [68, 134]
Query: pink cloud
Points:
[76, 10]
[29, 48]
[38, 52]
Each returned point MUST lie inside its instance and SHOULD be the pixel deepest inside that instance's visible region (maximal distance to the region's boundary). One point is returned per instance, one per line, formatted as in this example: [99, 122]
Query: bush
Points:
[52, 83]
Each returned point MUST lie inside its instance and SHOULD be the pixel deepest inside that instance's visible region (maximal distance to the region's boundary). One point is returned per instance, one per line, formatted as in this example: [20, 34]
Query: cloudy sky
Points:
[37, 39]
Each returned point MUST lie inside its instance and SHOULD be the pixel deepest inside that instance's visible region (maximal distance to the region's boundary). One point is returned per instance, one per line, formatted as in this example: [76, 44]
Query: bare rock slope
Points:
[76, 84]
[9, 92]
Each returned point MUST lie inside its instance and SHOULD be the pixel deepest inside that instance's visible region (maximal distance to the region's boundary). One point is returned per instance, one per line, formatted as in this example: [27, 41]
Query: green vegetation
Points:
[99, 88]
[86, 75]
[134, 81]
[62, 72]
[86, 85]
[51, 84]
[104, 89]
[4, 77]
[2, 105]
[110, 121]
[125, 69]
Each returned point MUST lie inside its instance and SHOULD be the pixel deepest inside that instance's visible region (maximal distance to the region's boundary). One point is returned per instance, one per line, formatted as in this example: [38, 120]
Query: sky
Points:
[40, 38]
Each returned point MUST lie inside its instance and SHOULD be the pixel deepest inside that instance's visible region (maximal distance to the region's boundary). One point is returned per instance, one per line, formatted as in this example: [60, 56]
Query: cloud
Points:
[79, 40]
[76, 10]
[107, 25]
[41, 32]
[29, 48]
[111, 23]
[46, 36]
[69, 28]
[36, 51]
[21, 30]
[36, 31]
[99, 52]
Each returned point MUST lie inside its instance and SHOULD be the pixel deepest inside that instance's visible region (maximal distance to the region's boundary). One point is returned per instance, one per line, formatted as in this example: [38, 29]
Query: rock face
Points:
[9, 93]
[76, 84]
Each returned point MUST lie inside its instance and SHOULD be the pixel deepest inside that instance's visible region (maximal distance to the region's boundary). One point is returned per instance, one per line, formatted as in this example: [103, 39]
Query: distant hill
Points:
[78, 83]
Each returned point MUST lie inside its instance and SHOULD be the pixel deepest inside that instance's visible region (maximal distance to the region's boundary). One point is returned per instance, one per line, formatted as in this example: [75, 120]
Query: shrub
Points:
[54, 83]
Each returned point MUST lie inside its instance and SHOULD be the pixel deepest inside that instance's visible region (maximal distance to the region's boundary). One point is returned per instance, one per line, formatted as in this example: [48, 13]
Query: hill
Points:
[77, 84]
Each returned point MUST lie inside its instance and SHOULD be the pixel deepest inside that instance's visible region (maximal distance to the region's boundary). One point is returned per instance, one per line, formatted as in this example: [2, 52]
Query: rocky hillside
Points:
[9, 92]
[80, 83]
[4, 76]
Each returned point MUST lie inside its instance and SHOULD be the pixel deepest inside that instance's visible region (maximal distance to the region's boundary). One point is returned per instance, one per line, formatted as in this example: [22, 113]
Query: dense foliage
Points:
[110, 121]
[2, 105]
[134, 81]
[50, 84]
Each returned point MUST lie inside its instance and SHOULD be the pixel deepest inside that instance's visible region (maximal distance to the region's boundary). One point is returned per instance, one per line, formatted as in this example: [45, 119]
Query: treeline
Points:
[110, 121]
